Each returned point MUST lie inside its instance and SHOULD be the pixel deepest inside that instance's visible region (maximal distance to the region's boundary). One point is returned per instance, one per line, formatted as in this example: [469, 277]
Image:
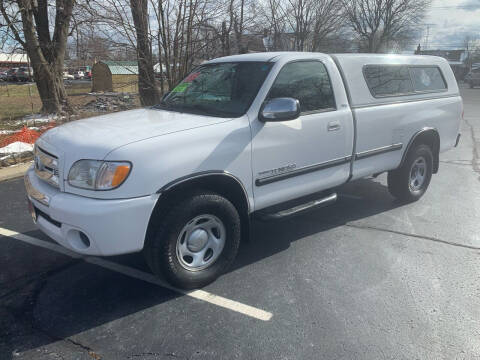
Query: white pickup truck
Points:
[267, 134]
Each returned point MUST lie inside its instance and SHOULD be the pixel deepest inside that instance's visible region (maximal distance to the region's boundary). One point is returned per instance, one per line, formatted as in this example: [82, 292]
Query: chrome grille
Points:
[46, 166]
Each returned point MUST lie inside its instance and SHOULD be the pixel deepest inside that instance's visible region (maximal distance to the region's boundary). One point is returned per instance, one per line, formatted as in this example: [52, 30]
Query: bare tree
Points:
[28, 22]
[300, 20]
[237, 20]
[328, 23]
[111, 20]
[303, 25]
[188, 32]
[146, 79]
[378, 24]
[275, 16]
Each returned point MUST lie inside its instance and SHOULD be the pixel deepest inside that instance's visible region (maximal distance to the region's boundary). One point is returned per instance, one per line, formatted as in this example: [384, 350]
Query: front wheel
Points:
[196, 242]
[410, 181]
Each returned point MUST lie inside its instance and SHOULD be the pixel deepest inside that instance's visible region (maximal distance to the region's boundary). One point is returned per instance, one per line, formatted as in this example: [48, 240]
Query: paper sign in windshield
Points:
[191, 77]
[181, 87]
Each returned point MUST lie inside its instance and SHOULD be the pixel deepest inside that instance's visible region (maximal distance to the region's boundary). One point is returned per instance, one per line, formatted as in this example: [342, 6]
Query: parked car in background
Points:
[67, 76]
[24, 74]
[3, 76]
[265, 136]
[11, 74]
[87, 72]
[473, 78]
[78, 75]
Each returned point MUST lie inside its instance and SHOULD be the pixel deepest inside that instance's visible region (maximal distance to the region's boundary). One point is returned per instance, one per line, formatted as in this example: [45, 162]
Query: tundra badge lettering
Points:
[277, 171]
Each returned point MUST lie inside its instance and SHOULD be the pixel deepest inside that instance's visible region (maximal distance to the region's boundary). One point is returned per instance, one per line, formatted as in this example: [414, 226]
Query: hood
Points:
[95, 137]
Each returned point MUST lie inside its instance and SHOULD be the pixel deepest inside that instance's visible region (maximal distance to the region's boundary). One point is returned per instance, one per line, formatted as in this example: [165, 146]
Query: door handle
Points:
[333, 126]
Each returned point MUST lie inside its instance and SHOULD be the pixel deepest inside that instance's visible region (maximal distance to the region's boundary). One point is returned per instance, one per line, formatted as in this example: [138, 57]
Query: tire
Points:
[199, 218]
[407, 182]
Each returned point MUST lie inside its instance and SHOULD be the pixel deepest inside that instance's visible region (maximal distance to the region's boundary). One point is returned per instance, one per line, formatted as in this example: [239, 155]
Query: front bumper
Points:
[90, 226]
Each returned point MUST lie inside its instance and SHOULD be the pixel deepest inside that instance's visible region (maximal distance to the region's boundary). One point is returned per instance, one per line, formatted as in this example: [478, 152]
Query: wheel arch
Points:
[428, 136]
[221, 182]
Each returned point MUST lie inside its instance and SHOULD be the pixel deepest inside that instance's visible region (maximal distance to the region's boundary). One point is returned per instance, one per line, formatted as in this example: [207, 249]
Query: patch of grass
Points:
[20, 99]
[75, 88]
[15, 107]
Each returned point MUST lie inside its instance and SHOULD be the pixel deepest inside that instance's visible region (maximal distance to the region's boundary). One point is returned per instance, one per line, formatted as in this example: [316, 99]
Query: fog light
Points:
[84, 239]
[78, 240]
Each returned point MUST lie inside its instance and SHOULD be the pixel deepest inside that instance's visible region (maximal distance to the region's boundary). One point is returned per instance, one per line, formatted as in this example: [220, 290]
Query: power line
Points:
[465, 7]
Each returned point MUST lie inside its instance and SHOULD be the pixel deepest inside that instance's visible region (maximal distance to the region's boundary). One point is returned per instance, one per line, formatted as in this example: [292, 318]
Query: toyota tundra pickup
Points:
[265, 135]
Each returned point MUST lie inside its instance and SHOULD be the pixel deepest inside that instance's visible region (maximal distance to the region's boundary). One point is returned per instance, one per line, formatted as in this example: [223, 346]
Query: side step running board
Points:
[311, 205]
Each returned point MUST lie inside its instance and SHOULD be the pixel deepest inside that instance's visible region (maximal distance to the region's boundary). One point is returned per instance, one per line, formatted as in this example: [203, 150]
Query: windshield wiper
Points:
[212, 111]
[194, 108]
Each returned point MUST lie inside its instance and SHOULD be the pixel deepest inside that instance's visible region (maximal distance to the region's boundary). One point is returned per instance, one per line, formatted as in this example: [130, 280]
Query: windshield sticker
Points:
[181, 87]
[191, 77]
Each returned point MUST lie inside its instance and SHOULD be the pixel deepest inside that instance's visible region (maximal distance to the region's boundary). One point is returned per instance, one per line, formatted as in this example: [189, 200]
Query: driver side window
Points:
[307, 81]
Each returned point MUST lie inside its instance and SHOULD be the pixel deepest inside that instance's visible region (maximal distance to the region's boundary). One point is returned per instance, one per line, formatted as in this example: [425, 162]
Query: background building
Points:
[8, 61]
[114, 75]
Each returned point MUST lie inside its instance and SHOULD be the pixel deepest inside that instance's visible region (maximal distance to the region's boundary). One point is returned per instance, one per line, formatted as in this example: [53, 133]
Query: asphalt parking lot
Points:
[366, 278]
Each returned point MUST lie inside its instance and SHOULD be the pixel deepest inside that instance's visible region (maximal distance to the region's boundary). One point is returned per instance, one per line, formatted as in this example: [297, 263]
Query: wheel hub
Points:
[197, 240]
[418, 174]
[201, 242]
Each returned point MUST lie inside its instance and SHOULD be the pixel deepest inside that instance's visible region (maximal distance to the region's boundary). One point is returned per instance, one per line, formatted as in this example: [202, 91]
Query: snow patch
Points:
[38, 118]
[16, 147]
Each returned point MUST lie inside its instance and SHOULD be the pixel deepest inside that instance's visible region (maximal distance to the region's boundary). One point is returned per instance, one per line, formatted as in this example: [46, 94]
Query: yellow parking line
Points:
[141, 275]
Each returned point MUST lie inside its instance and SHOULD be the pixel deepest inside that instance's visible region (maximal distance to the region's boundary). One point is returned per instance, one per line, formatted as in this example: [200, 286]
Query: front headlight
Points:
[98, 175]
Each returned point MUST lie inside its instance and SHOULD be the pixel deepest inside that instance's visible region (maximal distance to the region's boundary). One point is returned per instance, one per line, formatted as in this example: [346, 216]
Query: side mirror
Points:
[280, 109]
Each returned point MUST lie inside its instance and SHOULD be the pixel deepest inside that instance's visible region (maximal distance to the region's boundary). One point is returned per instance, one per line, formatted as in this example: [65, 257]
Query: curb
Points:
[14, 171]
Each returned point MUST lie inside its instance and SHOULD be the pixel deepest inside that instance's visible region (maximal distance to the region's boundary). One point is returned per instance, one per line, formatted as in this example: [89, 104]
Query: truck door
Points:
[311, 153]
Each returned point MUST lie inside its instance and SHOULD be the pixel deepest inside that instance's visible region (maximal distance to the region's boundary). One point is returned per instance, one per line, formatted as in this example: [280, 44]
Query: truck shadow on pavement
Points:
[81, 296]
[357, 200]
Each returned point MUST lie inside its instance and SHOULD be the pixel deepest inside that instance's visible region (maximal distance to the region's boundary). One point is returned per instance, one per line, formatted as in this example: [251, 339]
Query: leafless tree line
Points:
[178, 34]
[380, 25]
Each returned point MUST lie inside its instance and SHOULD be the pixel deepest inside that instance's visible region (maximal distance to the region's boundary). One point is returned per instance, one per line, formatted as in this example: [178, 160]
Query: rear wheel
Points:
[411, 180]
[196, 241]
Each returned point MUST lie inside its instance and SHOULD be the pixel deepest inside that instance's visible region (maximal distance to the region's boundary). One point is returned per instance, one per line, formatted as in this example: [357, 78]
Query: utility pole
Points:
[467, 51]
[427, 37]
[428, 34]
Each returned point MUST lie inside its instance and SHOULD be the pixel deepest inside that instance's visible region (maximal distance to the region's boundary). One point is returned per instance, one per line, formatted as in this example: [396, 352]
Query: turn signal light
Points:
[121, 173]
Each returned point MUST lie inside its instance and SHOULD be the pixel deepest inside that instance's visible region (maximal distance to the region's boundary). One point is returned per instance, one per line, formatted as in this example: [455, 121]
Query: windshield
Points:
[220, 89]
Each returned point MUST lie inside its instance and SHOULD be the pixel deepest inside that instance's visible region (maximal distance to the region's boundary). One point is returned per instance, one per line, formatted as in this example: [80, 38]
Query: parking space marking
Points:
[141, 275]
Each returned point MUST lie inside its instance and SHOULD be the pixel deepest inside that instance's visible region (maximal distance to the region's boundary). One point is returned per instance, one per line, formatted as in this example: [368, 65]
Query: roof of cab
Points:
[358, 58]
[264, 56]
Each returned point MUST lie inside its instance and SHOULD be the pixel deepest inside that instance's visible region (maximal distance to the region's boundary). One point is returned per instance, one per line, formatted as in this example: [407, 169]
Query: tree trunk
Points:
[46, 54]
[48, 88]
[371, 44]
[146, 78]
[225, 40]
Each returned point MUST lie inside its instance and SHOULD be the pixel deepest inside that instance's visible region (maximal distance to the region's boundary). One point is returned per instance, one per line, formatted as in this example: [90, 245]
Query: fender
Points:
[202, 174]
[243, 209]
[435, 145]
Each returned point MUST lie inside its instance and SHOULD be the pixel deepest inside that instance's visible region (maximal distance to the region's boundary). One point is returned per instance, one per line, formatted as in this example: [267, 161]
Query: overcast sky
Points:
[451, 21]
